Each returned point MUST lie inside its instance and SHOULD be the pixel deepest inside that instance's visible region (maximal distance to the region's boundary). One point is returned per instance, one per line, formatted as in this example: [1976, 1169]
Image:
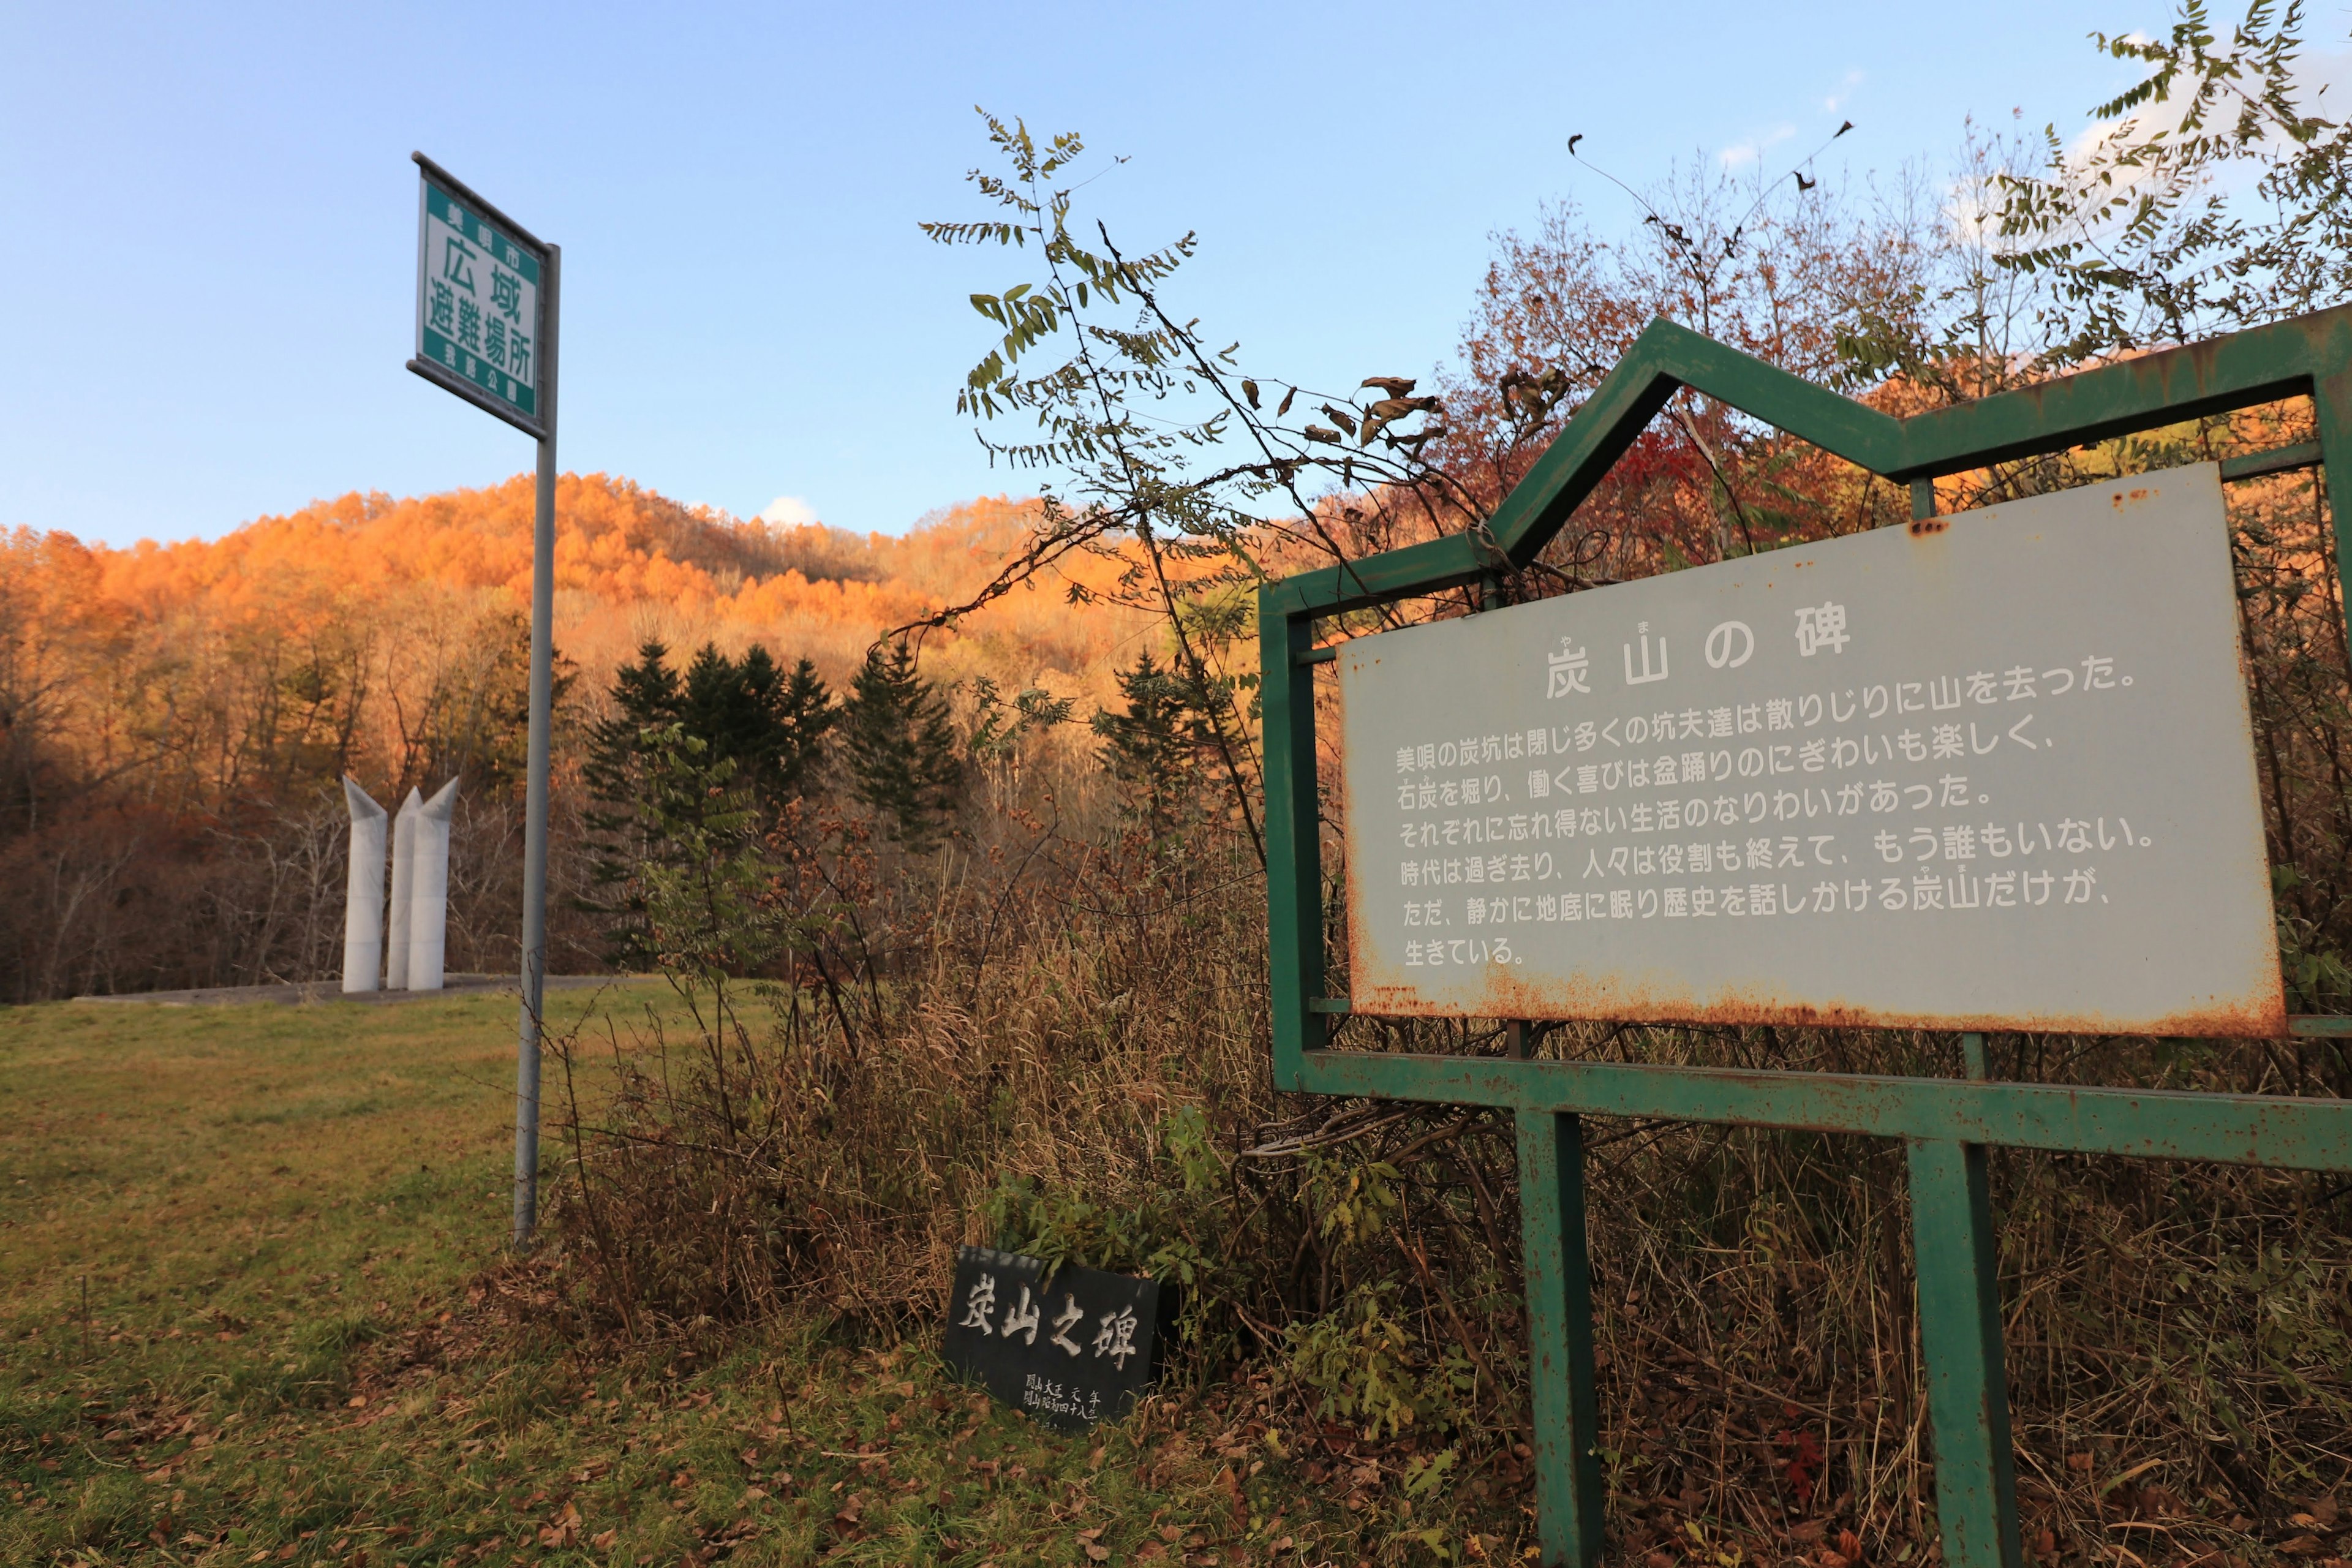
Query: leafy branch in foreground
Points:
[1147, 432]
[2153, 234]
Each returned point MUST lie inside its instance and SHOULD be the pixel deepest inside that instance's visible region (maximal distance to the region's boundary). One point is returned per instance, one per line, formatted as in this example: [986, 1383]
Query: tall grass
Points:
[1052, 1038]
[1072, 1061]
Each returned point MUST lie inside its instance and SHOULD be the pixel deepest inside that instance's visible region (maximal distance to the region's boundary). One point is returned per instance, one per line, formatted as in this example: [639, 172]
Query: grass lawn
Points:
[287, 1222]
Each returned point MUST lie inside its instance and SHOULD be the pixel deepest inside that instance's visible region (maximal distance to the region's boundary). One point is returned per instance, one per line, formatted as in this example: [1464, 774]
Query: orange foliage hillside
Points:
[336, 626]
[629, 563]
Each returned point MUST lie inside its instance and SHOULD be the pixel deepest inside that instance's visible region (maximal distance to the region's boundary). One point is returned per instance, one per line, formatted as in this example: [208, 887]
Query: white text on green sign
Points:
[480, 315]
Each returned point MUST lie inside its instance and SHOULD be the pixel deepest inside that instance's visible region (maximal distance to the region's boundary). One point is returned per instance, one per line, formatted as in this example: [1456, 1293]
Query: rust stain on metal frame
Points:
[1504, 994]
[2249, 1005]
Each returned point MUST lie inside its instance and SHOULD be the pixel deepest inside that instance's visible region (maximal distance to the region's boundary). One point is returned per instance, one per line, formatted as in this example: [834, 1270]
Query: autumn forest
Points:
[957, 836]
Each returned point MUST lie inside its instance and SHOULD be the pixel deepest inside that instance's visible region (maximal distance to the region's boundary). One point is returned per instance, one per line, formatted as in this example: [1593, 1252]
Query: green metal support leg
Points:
[1972, 1052]
[1560, 1331]
[2331, 398]
[1959, 1330]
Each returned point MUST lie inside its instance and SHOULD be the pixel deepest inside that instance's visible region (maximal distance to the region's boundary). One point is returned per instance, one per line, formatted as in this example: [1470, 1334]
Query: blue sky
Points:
[212, 265]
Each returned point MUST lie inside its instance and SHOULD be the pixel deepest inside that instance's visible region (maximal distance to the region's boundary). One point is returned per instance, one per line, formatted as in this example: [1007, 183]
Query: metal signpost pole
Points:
[534, 833]
[487, 308]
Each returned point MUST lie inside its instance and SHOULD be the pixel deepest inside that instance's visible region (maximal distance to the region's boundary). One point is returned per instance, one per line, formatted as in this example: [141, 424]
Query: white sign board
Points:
[1990, 771]
[478, 328]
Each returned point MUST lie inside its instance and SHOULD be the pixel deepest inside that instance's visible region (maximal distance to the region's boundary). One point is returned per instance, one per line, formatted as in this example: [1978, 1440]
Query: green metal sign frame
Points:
[1946, 1125]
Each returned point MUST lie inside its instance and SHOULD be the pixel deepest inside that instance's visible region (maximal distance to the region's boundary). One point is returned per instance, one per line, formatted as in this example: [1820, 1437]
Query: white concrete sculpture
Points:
[395, 930]
[428, 889]
[413, 942]
[364, 894]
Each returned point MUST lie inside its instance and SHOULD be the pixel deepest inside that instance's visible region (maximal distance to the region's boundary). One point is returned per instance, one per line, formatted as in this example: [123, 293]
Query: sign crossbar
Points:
[1945, 1124]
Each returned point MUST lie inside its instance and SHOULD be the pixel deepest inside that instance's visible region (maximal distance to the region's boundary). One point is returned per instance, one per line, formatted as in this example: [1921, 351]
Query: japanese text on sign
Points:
[1992, 770]
[1072, 1346]
[478, 303]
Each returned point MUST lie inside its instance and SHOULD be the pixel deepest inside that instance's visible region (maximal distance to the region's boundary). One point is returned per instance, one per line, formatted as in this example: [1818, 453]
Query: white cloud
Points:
[1973, 205]
[2315, 72]
[1755, 147]
[788, 511]
[1844, 92]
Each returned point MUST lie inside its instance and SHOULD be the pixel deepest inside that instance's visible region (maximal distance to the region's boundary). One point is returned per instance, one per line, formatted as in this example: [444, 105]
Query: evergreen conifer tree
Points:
[1153, 749]
[807, 714]
[902, 756]
[745, 722]
[645, 697]
[772, 725]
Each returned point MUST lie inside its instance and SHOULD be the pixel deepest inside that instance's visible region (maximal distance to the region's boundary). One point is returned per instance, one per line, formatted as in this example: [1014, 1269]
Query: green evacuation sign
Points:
[477, 317]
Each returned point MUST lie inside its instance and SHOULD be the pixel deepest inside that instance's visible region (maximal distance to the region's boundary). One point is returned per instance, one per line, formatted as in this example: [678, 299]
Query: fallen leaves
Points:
[564, 1530]
[1231, 1485]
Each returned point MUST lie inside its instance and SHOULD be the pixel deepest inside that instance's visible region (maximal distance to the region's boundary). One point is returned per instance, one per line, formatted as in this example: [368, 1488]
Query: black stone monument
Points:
[1071, 1346]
